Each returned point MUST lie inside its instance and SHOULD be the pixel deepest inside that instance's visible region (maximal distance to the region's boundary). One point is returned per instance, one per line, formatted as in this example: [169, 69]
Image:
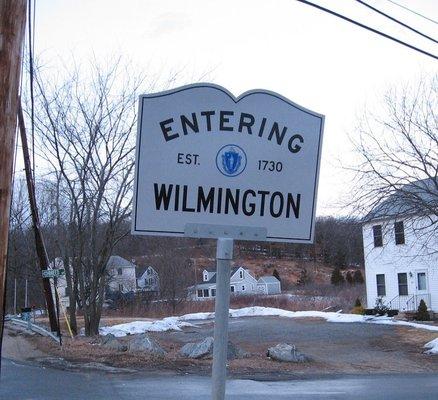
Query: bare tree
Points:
[398, 149]
[175, 269]
[84, 126]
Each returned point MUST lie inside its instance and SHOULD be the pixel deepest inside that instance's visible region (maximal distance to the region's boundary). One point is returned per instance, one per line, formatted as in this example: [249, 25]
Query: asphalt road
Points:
[30, 382]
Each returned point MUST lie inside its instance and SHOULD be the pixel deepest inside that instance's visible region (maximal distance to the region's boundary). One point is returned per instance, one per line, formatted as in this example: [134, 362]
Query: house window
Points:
[241, 274]
[243, 287]
[119, 271]
[399, 231]
[120, 287]
[232, 289]
[205, 277]
[206, 293]
[381, 289]
[148, 272]
[377, 234]
[402, 284]
[213, 292]
[200, 292]
[421, 281]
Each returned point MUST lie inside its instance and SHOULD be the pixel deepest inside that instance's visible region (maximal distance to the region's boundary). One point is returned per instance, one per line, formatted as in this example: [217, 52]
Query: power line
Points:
[396, 20]
[413, 12]
[352, 21]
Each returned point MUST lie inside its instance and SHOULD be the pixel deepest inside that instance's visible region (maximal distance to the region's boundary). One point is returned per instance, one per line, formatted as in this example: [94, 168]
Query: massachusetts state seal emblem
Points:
[231, 160]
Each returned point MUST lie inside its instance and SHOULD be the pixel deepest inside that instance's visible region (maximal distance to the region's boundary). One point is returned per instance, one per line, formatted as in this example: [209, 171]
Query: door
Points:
[421, 282]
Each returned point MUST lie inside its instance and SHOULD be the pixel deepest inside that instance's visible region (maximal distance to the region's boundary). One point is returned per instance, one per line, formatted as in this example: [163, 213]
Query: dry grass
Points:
[310, 297]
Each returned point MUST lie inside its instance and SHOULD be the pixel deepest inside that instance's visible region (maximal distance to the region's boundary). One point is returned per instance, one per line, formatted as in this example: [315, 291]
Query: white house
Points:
[269, 285]
[241, 282]
[120, 277]
[148, 280]
[401, 257]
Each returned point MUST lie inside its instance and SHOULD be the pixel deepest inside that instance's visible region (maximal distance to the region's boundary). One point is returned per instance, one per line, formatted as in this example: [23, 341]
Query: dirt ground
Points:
[334, 349]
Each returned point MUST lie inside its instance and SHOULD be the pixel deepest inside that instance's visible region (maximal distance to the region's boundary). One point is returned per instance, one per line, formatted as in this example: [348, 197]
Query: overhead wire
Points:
[396, 20]
[413, 11]
[376, 31]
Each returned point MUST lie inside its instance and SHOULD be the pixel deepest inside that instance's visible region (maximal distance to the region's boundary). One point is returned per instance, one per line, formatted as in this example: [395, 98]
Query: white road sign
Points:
[206, 157]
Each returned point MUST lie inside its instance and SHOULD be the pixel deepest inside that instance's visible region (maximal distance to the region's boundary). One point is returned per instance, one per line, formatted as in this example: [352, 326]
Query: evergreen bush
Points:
[422, 313]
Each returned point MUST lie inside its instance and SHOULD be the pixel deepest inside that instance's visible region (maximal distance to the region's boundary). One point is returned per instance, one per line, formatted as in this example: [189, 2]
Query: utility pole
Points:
[25, 294]
[15, 296]
[12, 27]
[43, 259]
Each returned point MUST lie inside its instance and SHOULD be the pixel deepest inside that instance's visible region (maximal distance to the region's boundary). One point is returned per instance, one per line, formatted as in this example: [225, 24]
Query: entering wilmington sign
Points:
[204, 156]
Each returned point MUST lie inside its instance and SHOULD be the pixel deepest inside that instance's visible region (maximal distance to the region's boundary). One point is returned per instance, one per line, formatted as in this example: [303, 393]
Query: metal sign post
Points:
[224, 255]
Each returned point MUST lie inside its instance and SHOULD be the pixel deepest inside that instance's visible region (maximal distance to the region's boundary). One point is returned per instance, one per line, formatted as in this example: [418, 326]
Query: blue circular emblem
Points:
[231, 160]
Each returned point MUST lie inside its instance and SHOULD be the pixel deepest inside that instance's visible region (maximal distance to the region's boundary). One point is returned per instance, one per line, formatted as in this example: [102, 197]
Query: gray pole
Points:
[224, 255]
[25, 294]
[15, 296]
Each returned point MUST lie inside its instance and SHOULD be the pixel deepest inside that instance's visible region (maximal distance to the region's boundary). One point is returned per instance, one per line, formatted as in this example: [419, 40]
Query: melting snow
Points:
[176, 323]
[432, 347]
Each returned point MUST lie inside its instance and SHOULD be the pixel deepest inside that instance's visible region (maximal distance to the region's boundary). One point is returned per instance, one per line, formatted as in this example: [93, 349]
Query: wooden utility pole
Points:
[12, 27]
[43, 258]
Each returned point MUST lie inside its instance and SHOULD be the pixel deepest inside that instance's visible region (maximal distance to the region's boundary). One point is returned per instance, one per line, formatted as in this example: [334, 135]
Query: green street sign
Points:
[53, 273]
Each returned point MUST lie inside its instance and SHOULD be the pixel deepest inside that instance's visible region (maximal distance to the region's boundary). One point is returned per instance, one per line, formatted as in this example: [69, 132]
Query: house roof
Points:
[119, 262]
[213, 278]
[405, 201]
[268, 279]
[140, 270]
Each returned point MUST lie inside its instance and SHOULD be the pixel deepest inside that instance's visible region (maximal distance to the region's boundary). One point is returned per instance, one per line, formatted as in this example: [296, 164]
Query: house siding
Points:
[391, 259]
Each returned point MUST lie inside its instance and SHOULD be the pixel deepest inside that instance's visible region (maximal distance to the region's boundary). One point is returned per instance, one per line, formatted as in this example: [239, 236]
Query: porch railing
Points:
[409, 302]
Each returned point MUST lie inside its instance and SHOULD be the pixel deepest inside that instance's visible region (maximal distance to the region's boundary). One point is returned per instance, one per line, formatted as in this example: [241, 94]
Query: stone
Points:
[144, 343]
[204, 349]
[113, 343]
[286, 353]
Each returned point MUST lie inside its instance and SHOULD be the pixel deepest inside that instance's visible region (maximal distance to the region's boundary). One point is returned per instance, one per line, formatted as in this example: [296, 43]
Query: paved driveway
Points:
[339, 347]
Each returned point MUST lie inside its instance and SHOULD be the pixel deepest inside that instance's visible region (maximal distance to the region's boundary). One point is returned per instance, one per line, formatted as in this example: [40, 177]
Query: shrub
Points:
[358, 309]
[304, 278]
[422, 313]
[380, 308]
[349, 278]
[337, 278]
[357, 277]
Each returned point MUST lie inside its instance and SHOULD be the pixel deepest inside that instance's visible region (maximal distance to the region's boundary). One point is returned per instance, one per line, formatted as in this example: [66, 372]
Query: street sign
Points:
[209, 164]
[53, 273]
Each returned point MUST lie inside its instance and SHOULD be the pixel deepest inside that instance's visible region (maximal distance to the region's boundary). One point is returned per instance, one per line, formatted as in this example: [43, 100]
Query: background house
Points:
[401, 256]
[121, 275]
[269, 285]
[120, 278]
[148, 280]
[241, 282]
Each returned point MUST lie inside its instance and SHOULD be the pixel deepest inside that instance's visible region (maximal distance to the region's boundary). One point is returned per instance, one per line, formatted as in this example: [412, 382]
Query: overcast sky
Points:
[316, 60]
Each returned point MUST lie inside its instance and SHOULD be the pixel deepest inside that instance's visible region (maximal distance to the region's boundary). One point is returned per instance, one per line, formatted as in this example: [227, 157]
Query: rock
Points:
[286, 353]
[107, 338]
[204, 349]
[111, 342]
[144, 343]
[235, 352]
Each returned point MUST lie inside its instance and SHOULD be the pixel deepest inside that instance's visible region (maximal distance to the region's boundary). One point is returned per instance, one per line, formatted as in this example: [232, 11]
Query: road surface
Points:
[20, 381]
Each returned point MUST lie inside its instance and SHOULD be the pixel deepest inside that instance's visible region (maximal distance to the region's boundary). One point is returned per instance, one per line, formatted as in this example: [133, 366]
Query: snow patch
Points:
[432, 347]
[135, 327]
[176, 323]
